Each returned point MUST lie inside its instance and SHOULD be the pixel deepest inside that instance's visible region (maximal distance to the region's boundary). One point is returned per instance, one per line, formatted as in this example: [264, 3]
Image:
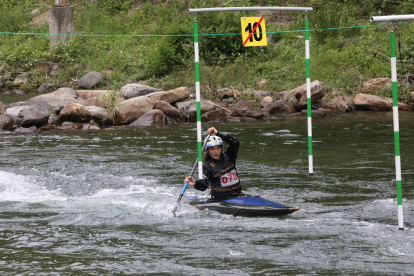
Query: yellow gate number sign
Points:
[253, 31]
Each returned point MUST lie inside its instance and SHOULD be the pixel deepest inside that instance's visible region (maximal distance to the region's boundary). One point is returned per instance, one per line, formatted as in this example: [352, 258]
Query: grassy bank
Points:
[341, 58]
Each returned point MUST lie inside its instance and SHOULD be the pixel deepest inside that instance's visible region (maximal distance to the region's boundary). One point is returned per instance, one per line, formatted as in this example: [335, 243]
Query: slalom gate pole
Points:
[308, 93]
[198, 99]
[396, 129]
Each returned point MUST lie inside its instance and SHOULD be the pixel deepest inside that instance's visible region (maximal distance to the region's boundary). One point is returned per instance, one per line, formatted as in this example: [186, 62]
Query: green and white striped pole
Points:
[198, 97]
[396, 129]
[308, 94]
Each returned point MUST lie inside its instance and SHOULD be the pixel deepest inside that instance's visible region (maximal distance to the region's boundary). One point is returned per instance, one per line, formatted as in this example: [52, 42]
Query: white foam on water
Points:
[23, 188]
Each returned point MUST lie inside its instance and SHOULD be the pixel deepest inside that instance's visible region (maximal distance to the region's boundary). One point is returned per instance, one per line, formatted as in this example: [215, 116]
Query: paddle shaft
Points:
[186, 184]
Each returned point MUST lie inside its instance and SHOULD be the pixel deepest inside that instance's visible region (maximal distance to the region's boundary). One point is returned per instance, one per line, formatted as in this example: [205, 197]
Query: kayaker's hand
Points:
[212, 131]
[190, 179]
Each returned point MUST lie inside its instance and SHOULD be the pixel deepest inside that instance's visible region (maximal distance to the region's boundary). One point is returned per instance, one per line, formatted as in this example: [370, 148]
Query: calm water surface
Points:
[99, 202]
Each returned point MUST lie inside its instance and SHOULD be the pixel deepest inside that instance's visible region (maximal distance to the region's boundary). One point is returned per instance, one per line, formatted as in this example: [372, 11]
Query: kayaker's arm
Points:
[233, 147]
[203, 184]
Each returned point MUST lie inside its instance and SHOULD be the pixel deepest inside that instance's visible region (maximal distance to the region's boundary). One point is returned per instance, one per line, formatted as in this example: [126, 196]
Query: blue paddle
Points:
[186, 184]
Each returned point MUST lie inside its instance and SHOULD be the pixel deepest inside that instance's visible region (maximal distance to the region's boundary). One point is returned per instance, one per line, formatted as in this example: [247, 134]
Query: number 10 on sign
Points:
[253, 31]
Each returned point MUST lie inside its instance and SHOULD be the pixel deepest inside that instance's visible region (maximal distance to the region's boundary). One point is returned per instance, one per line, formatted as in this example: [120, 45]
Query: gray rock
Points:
[32, 129]
[298, 96]
[6, 122]
[250, 113]
[133, 90]
[8, 76]
[21, 79]
[14, 111]
[53, 119]
[153, 117]
[57, 100]
[45, 87]
[32, 116]
[90, 80]
[100, 115]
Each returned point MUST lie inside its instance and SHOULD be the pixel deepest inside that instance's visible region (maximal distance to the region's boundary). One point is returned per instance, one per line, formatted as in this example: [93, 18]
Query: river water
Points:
[99, 202]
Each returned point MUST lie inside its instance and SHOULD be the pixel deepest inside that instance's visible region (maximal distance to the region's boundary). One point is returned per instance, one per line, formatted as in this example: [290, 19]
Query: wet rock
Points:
[32, 116]
[240, 119]
[90, 127]
[280, 107]
[31, 129]
[258, 115]
[318, 112]
[6, 122]
[75, 112]
[170, 111]
[133, 90]
[90, 80]
[131, 109]
[214, 116]
[100, 115]
[374, 85]
[153, 117]
[2, 108]
[297, 97]
[266, 101]
[70, 126]
[170, 96]
[46, 127]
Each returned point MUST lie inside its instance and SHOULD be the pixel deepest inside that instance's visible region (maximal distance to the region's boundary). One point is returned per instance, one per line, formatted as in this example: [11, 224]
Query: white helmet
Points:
[213, 141]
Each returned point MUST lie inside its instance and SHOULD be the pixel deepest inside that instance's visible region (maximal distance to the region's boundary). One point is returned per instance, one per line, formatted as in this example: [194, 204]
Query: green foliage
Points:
[111, 101]
[114, 6]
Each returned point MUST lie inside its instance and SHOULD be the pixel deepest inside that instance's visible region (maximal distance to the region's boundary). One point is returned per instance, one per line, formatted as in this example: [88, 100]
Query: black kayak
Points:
[246, 206]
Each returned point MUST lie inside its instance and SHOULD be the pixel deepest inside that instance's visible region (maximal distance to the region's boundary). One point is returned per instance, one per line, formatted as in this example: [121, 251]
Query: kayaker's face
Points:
[214, 152]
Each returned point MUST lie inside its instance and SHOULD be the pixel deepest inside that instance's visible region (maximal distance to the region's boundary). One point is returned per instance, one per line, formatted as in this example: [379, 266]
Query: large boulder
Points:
[56, 101]
[266, 101]
[32, 116]
[214, 116]
[75, 113]
[14, 111]
[96, 102]
[100, 115]
[31, 129]
[153, 117]
[170, 111]
[340, 103]
[189, 108]
[131, 109]
[6, 122]
[87, 94]
[2, 108]
[90, 80]
[171, 96]
[372, 102]
[133, 90]
[298, 96]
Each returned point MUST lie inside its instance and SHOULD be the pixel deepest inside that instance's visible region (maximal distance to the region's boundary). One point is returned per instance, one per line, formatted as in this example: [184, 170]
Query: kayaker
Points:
[219, 168]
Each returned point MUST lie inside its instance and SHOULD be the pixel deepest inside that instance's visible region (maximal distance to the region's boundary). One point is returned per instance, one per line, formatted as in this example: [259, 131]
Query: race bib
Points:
[229, 179]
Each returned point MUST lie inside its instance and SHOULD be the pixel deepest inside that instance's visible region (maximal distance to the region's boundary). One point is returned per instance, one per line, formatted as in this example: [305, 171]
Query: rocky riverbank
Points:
[140, 105]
